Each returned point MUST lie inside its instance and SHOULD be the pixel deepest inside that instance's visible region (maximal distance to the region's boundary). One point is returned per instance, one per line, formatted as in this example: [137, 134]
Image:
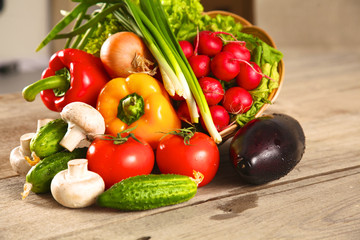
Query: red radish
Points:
[176, 97]
[220, 116]
[158, 76]
[225, 66]
[249, 77]
[212, 90]
[209, 43]
[238, 49]
[187, 48]
[237, 100]
[200, 64]
[183, 112]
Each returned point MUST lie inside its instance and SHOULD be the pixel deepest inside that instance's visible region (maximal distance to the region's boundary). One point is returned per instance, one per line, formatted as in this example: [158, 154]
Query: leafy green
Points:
[221, 23]
[105, 28]
[184, 17]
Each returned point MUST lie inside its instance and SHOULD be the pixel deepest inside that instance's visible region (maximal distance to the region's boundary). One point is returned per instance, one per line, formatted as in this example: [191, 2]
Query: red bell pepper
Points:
[72, 75]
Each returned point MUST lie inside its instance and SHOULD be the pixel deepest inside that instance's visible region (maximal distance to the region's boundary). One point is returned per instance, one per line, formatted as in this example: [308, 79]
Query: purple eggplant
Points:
[267, 148]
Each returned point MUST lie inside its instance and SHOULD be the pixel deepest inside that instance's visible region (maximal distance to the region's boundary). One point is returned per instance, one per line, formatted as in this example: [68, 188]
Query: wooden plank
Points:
[309, 209]
[324, 206]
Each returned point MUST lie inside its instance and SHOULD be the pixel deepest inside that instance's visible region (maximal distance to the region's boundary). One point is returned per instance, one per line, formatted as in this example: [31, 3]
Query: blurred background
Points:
[294, 25]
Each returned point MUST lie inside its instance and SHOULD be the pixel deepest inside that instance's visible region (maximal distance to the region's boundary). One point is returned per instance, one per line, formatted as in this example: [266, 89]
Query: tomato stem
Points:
[119, 139]
[185, 133]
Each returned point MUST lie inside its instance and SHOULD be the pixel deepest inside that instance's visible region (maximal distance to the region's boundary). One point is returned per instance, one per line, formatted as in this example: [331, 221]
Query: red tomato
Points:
[200, 154]
[115, 162]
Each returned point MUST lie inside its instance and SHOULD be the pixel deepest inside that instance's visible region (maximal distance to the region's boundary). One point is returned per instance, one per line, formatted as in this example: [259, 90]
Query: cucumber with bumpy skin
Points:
[39, 178]
[148, 191]
[47, 139]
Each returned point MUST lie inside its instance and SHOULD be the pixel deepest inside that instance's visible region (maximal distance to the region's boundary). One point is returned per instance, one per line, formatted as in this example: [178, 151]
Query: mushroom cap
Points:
[18, 162]
[84, 116]
[77, 187]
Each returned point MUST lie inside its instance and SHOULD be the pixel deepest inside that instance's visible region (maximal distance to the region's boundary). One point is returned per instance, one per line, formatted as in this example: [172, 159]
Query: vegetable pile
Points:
[149, 83]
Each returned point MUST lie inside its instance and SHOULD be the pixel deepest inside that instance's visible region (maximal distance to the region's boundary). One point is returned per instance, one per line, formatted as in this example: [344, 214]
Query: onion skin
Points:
[267, 148]
[118, 52]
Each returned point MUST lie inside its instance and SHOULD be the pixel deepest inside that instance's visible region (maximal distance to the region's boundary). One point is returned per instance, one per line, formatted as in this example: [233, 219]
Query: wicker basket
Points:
[257, 32]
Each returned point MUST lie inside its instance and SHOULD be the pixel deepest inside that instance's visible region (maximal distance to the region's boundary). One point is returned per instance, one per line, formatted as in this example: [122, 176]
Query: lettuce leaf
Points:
[184, 17]
[221, 23]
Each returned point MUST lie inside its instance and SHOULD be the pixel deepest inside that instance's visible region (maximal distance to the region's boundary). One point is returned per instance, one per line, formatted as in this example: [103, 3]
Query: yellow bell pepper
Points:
[138, 101]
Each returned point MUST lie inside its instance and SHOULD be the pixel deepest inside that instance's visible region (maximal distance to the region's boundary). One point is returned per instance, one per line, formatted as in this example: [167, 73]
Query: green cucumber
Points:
[38, 179]
[46, 140]
[148, 191]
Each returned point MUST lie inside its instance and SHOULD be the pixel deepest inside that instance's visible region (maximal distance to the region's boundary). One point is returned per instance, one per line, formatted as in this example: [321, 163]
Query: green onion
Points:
[79, 9]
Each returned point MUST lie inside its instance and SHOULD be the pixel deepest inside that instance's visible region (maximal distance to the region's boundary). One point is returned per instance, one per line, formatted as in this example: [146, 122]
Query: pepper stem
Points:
[131, 108]
[54, 82]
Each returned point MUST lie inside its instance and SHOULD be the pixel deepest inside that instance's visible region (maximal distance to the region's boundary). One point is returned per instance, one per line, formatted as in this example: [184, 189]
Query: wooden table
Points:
[319, 199]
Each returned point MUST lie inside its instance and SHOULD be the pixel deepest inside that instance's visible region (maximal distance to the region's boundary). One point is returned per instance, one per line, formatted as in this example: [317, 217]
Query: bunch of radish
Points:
[214, 61]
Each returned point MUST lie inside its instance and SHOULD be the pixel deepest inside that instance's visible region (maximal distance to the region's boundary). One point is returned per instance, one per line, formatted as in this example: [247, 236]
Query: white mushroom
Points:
[83, 121]
[17, 156]
[43, 122]
[77, 187]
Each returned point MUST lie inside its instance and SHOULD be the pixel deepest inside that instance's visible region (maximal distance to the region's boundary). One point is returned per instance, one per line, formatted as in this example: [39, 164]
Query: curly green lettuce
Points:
[187, 16]
[184, 17]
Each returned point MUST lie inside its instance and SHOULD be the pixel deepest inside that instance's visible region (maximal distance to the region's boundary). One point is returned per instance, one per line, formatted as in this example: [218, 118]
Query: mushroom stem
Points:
[77, 168]
[73, 137]
[19, 154]
[43, 122]
[25, 143]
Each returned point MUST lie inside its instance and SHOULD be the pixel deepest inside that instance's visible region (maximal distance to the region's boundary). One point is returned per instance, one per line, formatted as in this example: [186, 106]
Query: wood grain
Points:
[319, 199]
